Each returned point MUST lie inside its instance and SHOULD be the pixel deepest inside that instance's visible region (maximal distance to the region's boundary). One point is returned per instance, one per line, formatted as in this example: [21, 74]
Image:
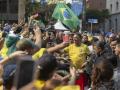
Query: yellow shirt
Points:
[3, 52]
[68, 88]
[1, 87]
[77, 54]
[38, 54]
[39, 84]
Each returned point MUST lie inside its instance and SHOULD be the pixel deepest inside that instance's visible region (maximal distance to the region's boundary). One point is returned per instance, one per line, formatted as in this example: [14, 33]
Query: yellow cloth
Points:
[90, 38]
[3, 52]
[38, 54]
[1, 87]
[39, 84]
[68, 88]
[77, 54]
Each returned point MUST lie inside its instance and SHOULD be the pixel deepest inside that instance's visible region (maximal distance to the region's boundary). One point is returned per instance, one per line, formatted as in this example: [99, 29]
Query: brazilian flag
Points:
[66, 16]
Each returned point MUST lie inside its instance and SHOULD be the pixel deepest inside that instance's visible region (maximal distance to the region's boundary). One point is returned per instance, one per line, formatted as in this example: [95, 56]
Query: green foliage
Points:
[32, 8]
[96, 14]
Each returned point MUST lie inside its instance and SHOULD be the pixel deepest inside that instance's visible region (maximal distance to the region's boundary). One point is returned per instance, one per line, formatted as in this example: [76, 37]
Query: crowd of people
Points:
[63, 60]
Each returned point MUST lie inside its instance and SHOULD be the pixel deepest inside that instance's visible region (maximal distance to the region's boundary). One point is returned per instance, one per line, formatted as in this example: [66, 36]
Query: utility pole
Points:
[84, 16]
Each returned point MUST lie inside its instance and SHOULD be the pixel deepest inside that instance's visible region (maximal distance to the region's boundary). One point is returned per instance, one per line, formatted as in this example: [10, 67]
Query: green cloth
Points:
[10, 40]
[11, 49]
[11, 43]
[66, 16]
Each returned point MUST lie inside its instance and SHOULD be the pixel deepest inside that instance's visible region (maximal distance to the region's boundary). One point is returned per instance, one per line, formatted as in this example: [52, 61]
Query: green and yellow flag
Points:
[66, 16]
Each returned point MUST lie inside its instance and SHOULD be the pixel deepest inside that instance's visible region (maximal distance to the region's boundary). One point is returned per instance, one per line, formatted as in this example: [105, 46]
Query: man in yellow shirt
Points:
[77, 51]
[39, 53]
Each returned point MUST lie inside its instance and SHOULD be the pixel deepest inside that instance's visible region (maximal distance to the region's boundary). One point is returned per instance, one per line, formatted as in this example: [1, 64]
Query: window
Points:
[117, 5]
[3, 6]
[111, 7]
[13, 6]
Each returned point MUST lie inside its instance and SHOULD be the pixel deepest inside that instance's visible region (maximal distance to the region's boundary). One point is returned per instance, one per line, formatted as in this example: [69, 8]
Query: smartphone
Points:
[24, 73]
[65, 38]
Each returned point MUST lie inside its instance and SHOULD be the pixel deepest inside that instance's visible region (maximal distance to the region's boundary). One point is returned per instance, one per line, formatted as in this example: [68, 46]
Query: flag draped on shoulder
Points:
[63, 13]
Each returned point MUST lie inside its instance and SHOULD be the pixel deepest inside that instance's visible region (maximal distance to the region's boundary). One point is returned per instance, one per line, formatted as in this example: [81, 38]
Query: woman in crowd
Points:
[102, 74]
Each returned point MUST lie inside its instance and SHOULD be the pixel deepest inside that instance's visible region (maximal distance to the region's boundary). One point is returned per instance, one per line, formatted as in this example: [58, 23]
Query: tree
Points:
[96, 14]
[32, 7]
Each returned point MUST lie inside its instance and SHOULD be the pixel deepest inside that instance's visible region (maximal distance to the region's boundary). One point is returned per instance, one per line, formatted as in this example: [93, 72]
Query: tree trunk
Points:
[21, 10]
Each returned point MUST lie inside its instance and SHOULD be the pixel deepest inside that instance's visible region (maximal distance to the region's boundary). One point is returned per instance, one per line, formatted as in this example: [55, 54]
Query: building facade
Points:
[113, 22]
[12, 10]
[96, 4]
